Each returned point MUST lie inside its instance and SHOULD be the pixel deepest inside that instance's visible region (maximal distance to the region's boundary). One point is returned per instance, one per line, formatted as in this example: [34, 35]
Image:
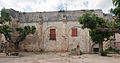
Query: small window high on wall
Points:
[74, 32]
[52, 34]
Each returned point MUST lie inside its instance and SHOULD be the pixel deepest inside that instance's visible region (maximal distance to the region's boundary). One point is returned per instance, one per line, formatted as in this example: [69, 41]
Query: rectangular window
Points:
[95, 50]
[74, 32]
[52, 34]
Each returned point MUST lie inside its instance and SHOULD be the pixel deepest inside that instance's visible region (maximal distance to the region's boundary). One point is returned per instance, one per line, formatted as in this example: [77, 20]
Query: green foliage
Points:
[23, 32]
[81, 53]
[103, 53]
[14, 54]
[61, 11]
[33, 29]
[1, 20]
[110, 49]
[116, 2]
[117, 25]
[86, 21]
[19, 29]
[98, 36]
[5, 29]
[116, 10]
[25, 50]
[92, 20]
[41, 51]
[5, 16]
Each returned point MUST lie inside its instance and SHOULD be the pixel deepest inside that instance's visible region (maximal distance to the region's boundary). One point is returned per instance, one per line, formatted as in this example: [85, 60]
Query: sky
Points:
[55, 5]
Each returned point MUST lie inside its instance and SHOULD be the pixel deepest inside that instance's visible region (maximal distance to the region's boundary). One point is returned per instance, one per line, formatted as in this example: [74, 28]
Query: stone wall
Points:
[64, 41]
[63, 22]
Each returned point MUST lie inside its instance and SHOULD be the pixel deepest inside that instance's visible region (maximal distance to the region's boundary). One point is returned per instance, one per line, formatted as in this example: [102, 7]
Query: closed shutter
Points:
[52, 34]
[74, 32]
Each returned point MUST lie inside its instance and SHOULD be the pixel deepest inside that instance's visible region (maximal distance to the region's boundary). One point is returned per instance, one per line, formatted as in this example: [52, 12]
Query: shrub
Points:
[103, 53]
[25, 50]
[110, 49]
[81, 53]
[41, 50]
[61, 11]
[14, 54]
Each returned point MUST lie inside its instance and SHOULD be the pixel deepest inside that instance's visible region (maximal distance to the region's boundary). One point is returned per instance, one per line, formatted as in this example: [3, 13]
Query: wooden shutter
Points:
[52, 34]
[74, 32]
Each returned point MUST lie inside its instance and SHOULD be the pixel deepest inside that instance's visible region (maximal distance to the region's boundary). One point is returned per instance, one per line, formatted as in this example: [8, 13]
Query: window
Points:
[52, 34]
[74, 32]
[95, 50]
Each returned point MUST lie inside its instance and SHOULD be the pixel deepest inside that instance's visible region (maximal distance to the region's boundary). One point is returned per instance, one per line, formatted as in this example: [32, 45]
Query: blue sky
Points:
[54, 5]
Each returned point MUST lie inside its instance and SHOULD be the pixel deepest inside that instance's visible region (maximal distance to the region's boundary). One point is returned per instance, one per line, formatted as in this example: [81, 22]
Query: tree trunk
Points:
[16, 46]
[100, 46]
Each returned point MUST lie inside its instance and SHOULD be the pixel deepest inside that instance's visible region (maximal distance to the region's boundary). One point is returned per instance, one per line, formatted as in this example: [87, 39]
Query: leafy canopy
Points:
[98, 36]
[6, 30]
[23, 32]
[92, 21]
[5, 16]
[101, 29]
[116, 10]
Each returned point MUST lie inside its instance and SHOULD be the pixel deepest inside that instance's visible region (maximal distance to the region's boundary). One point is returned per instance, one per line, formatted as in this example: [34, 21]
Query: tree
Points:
[102, 24]
[94, 21]
[100, 37]
[101, 28]
[7, 30]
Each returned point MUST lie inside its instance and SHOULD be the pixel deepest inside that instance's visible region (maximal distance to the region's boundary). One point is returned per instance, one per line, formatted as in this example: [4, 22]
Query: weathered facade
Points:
[62, 23]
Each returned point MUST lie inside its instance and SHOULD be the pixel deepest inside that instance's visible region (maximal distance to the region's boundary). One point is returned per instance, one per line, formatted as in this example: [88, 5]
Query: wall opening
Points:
[95, 50]
[74, 32]
[52, 34]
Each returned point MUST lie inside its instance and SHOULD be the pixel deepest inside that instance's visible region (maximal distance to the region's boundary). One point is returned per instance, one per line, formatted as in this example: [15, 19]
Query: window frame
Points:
[52, 34]
[74, 32]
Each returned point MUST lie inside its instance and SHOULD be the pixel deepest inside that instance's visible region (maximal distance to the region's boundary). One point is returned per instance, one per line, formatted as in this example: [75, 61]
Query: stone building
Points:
[55, 31]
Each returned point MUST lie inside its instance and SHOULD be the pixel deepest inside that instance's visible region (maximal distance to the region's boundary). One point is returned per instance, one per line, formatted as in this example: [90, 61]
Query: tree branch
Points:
[9, 39]
[114, 30]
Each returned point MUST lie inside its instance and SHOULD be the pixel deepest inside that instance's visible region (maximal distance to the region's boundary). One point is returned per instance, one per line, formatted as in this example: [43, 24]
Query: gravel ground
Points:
[53, 57]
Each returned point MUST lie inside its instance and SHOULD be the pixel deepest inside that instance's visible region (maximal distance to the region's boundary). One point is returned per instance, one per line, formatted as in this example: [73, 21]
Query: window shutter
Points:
[74, 32]
[52, 34]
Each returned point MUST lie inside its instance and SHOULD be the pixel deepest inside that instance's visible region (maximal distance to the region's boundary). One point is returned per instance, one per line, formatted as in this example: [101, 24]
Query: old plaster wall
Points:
[64, 40]
[82, 39]
[63, 22]
[32, 42]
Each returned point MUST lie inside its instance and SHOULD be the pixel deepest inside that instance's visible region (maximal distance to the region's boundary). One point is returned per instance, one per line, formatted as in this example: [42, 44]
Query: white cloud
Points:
[52, 5]
[105, 5]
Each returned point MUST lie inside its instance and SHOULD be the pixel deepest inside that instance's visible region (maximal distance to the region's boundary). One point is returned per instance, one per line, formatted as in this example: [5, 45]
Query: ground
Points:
[53, 57]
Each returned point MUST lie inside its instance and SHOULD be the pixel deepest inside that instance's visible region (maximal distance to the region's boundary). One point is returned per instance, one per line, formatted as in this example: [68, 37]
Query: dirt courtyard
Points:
[59, 58]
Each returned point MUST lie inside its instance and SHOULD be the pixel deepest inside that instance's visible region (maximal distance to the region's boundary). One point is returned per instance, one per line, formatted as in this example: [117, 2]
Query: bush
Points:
[41, 50]
[103, 53]
[81, 53]
[110, 49]
[14, 54]
[61, 11]
[25, 50]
